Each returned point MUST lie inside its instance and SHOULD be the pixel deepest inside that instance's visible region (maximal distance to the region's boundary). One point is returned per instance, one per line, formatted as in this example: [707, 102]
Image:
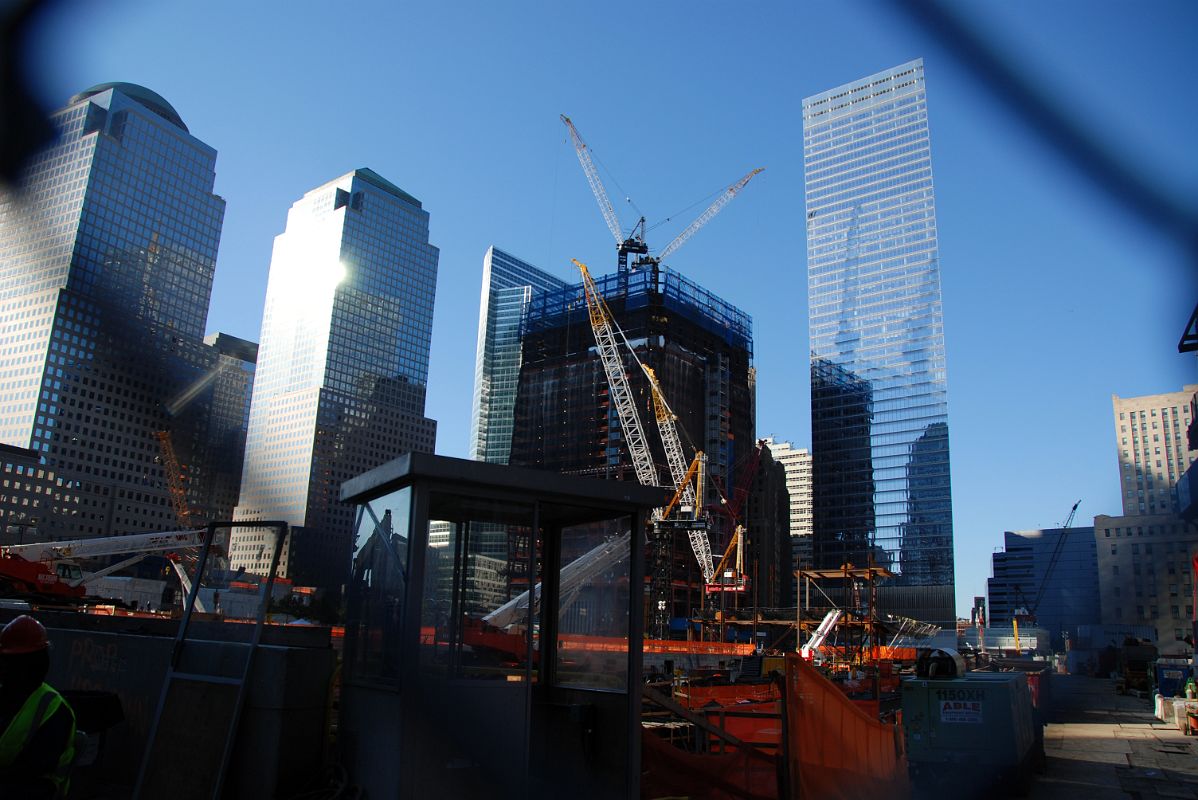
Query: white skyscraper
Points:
[797, 463]
[342, 368]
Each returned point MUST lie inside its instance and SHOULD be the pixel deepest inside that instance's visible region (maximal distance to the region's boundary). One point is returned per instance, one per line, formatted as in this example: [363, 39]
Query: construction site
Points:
[613, 614]
[450, 678]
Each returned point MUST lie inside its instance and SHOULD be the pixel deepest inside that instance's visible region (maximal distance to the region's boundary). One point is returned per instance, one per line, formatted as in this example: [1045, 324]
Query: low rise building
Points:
[1052, 574]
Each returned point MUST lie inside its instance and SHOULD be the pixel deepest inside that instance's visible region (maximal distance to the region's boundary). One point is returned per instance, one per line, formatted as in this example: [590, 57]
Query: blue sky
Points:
[1054, 297]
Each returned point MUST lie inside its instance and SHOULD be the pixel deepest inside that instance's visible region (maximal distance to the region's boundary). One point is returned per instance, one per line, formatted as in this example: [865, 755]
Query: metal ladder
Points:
[194, 728]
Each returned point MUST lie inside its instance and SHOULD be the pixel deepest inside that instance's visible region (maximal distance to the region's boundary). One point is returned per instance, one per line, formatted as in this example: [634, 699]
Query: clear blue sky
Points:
[1054, 298]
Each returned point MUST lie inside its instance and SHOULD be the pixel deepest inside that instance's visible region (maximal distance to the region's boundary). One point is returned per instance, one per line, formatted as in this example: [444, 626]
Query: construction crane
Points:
[724, 199]
[1052, 561]
[635, 242]
[606, 330]
[188, 560]
[174, 478]
[731, 507]
[739, 582]
[699, 540]
[1028, 612]
[668, 429]
[624, 244]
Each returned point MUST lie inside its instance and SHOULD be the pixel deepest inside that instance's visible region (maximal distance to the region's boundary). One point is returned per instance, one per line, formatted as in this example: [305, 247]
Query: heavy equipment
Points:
[50, 570]
[635, 243]
[608, 337]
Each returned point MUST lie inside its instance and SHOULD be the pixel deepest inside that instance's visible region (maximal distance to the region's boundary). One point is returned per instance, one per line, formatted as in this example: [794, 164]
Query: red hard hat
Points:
[23, 635]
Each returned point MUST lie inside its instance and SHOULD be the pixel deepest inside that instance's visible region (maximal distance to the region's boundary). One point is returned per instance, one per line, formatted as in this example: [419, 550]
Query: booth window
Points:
[592, 642]
[475, 616]
[376, 595]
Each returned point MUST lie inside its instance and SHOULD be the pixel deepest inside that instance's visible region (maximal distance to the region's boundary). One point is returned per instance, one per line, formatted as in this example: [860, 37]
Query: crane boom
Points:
[174, 478]
[605, 328]
[603, 325]
[588, 166]
[1052, 561]
[668, 428]
[705, 217]
[108, 545]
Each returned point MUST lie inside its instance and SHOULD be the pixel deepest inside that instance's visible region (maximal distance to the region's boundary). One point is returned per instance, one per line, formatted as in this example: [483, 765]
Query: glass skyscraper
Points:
[878, 396]
[107, 255]
[508, 286]
[342, 368]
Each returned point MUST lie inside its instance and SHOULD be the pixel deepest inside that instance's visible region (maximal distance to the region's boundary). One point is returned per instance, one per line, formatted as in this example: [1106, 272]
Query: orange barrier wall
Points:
[725, 694]
[756, 724]
[668, 772]
[836, 751]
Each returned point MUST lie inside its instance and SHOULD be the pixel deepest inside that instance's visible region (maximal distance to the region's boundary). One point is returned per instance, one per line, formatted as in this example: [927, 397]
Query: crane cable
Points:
[698, 202]
[627, 197]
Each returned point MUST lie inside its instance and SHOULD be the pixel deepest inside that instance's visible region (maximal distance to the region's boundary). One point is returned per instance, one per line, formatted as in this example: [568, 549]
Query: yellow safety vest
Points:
[39, 707]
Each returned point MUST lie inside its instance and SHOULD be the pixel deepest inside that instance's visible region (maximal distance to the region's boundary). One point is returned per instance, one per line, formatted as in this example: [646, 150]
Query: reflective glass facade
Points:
[342, 368]
[107, 257]
[879, 408]
[508, 285]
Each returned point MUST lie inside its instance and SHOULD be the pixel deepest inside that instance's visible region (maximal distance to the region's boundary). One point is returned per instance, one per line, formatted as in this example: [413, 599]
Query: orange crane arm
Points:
[174, 478]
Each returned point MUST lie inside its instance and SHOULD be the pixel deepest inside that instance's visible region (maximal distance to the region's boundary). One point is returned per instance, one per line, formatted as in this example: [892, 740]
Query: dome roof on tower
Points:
[146, 97]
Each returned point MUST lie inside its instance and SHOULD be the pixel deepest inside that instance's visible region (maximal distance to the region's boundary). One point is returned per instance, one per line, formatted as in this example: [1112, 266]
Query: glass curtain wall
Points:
[879, 396]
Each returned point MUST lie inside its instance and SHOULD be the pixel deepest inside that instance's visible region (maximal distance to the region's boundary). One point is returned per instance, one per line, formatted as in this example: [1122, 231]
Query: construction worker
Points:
[37, 743]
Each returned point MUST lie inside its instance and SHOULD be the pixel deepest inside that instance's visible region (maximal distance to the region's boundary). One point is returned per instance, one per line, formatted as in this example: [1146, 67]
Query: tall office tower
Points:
[1154, 452]
[878, 395]
[701, 348]
[508, 287]
[1061, 599]
[797, 463]
[342, 368]
[107, 256]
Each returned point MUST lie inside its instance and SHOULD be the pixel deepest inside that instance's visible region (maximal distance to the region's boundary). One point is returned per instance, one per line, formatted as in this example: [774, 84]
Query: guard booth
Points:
[494, 632]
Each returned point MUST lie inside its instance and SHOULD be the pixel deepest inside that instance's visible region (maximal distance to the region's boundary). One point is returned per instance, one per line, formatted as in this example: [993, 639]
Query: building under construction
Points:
[701, 349]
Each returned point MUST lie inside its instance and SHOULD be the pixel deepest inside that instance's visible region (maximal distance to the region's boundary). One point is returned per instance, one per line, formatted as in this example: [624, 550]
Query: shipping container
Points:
[978, 728]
